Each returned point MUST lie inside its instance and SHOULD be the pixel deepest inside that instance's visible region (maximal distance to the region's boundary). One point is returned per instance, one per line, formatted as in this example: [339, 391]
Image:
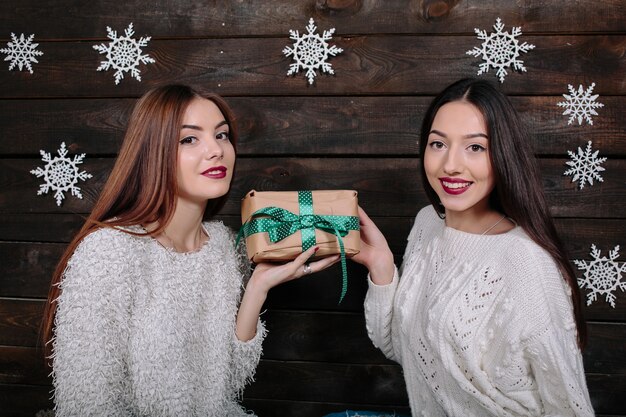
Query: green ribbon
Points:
[279, 223]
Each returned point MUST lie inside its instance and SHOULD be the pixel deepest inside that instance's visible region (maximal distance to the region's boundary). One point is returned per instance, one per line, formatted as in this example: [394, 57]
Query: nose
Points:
[453, 161]
[213, 149]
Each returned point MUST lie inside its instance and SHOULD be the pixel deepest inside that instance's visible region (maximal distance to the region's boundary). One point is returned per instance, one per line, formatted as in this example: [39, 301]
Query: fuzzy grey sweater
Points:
[144, 331]
[482, 326]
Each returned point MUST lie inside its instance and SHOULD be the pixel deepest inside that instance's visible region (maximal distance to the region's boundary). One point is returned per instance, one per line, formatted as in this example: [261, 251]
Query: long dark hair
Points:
[518, 192]
[142, 186]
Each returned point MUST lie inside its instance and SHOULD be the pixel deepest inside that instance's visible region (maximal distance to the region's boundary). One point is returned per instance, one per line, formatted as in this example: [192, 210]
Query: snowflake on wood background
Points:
[60, 174]
[21, 52]
[500, 50]
[602, 275]
[310, 51]
[123, 54]
[580, 104]
[585, 166]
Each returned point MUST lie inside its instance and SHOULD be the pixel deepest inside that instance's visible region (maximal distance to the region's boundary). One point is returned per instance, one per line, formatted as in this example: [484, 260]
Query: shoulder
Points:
[102, 264]
[535, 281]
[426, 221]
[427, 214]
[521, 255]
[107, 251]
[107, 242]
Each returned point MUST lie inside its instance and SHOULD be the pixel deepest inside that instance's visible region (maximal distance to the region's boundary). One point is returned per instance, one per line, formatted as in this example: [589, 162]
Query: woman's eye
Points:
[188, 140]
[476, 148]
[223, 136]
[436, 144]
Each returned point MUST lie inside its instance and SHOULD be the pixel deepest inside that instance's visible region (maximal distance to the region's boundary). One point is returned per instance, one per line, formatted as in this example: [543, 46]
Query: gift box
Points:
[280, 225]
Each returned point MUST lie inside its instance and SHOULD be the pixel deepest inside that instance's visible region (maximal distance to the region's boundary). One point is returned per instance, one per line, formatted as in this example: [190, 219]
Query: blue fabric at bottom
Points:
[352, 413]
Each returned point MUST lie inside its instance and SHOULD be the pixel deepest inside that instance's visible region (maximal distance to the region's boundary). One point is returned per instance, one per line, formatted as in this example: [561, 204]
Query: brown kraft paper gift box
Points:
[325, 202]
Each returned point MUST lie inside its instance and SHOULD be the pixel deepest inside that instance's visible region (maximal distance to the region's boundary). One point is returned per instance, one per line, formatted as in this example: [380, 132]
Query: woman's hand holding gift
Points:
[375, 253]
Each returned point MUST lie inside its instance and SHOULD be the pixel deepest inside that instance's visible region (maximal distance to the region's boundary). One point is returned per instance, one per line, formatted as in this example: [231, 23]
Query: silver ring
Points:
[307, 269]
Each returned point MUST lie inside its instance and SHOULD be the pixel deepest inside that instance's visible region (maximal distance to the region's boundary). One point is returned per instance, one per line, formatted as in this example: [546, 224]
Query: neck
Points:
[477, 221]
[184, 232]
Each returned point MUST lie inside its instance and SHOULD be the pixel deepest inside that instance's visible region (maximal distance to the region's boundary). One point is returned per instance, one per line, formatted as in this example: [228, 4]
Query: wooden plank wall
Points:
[356, 129]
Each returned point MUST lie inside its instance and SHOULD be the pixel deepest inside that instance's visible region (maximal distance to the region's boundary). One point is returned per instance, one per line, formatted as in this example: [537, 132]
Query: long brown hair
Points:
[518, 192]
[142, 186]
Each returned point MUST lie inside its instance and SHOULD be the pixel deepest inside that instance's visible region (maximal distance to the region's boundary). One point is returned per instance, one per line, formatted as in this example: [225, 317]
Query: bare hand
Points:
[375, 253]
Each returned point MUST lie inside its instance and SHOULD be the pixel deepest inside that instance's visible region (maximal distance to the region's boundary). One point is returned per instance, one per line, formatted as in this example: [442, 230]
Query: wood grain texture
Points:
[385, 65]
[355, 129]
[387, 186]
[215, 18]
[296, 335]
[24, 400]
[28, 266]
[299, 126]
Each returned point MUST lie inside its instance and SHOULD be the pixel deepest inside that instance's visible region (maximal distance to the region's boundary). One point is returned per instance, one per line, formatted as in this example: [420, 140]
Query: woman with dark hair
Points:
[145, 315]
[484, 316]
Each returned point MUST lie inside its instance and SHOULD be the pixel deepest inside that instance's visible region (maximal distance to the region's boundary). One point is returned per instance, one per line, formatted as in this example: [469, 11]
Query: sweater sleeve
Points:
[246, 356]
[379, 314]
[551, 346]
[91, 331]
[557, 366]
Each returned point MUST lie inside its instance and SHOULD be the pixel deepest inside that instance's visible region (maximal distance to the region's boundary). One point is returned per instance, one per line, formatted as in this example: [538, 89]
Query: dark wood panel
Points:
[24, 400]
[23, 365]
[376, 384]
[319, 337]
[576, 234]
[26, 269]
[606, 350]
[299, 125]
[40, 227]
[607, 393]
[387, 186]
[389, 65]
[261, 18]
[297, 336]
[20, 321]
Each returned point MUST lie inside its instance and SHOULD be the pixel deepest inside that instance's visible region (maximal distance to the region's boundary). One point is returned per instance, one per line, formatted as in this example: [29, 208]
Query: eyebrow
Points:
[194, 127]
[469, 136]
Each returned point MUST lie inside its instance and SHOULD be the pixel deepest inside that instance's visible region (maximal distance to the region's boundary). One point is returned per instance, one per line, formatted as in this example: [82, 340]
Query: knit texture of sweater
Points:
[142, 330]
[482, 325]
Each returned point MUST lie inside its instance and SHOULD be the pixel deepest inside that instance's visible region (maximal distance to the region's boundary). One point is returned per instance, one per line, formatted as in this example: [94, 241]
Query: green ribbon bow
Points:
[279, 223]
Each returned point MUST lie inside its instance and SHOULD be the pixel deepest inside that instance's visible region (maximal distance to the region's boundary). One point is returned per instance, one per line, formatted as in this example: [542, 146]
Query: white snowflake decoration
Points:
[585, 166]
[60, 174]
[602, 275]
[580, 104]
[310, 51]
[124, 54]
[21, 52]
[500, 50]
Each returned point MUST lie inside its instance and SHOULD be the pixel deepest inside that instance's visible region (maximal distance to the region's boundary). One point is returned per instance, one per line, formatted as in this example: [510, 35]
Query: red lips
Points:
[215, 172]
[454, 186]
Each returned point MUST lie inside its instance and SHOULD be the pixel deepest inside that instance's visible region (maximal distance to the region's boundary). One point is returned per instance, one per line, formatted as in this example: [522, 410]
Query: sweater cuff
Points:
[381, 293]
[257, 340]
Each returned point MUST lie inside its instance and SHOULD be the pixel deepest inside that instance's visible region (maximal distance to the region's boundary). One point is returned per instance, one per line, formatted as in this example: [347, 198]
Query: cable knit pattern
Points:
[145, 331]
[482, 325]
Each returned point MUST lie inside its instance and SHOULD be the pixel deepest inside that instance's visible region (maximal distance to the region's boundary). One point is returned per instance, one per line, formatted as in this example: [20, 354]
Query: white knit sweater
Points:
[482, 326]
[144, 331]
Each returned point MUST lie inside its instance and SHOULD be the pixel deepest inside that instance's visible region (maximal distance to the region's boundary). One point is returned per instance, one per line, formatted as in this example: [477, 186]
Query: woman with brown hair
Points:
[484, 316]
[145, 315]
